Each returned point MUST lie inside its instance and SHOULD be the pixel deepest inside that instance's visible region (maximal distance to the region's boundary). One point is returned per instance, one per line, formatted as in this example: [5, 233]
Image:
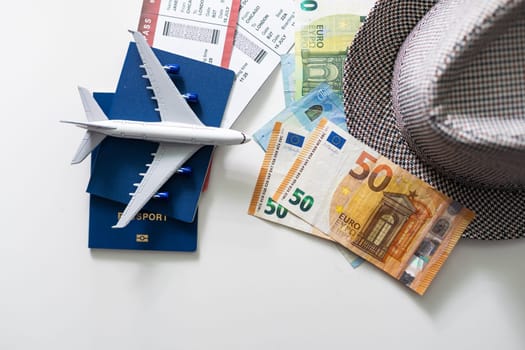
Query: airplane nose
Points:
[245, 138]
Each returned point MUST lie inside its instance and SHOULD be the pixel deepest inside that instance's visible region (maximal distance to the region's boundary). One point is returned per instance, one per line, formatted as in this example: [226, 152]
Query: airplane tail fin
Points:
[91, 138]
[89, 142]
[93, 111]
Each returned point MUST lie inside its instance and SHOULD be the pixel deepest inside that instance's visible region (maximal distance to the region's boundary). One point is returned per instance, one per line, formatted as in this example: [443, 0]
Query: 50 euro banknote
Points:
[282, 148]
[282, 138]
[371, 206]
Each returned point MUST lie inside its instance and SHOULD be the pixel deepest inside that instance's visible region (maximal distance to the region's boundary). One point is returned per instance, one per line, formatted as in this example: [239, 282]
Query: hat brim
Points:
[368, 76]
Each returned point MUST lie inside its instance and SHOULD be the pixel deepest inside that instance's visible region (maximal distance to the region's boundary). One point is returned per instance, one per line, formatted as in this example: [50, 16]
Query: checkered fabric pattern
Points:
[463, 139]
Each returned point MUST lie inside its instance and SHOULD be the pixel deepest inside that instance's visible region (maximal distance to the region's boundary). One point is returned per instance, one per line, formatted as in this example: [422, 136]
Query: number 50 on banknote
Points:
[372, 206]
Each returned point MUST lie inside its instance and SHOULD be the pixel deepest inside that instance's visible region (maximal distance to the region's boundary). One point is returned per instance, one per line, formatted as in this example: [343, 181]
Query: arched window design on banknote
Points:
[314, 112]
[387, 221]
[325, 67]
[413, 225]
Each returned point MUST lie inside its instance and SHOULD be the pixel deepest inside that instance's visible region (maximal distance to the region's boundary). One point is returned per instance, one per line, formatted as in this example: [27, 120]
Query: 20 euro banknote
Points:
[288, 77]
[371, 206]
[304, 114]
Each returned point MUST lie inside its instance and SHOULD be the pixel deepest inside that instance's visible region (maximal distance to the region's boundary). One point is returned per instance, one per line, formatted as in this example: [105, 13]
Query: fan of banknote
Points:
[318, 179]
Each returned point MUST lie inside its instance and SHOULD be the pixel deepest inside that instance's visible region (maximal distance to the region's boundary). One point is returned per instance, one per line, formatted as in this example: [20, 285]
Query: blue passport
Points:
[153, 231]
[119, 161]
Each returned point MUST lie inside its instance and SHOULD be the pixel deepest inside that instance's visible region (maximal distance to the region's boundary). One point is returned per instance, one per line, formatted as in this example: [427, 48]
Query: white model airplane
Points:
[179, 132]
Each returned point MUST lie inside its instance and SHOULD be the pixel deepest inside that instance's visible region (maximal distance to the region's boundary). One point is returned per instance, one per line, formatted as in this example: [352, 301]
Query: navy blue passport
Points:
[119, 161]
[153, 231]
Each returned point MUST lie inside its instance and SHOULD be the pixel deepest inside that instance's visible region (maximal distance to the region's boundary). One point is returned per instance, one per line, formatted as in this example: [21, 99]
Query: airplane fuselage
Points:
[167, 132]
[177, 125]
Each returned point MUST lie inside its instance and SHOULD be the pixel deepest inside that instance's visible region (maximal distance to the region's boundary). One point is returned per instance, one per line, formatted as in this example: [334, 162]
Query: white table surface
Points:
[250, 285]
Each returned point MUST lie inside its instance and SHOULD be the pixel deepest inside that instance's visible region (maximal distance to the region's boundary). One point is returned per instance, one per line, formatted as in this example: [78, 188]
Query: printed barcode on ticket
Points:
[190, 32]
[249, 48]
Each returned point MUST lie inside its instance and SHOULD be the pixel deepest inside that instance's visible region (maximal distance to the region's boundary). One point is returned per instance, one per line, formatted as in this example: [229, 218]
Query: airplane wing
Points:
[172, 106]
[168, 159]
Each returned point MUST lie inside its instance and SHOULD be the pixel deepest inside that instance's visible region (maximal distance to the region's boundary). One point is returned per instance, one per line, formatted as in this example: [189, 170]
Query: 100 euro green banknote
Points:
[371, 206]
[324, 30]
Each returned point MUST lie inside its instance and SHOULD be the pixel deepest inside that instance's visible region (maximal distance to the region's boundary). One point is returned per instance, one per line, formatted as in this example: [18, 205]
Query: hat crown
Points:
[370, 95]
[458, 91]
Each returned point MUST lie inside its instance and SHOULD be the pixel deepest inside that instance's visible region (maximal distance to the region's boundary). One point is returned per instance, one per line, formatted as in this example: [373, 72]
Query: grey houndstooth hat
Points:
[439, 88]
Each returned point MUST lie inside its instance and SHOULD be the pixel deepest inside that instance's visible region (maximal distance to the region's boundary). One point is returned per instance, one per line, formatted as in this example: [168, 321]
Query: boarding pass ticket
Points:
[265, 31]
[202, 30]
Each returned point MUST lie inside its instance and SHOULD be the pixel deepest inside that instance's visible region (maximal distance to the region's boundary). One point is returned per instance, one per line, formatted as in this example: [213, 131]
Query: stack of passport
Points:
[164, 223]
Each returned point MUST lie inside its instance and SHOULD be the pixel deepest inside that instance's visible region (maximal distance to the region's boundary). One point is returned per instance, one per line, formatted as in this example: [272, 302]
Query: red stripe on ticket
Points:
[148, 19]
[230, 34]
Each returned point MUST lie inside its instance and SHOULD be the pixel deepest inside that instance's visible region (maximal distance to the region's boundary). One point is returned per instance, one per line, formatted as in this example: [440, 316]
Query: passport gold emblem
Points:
[142, 238]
